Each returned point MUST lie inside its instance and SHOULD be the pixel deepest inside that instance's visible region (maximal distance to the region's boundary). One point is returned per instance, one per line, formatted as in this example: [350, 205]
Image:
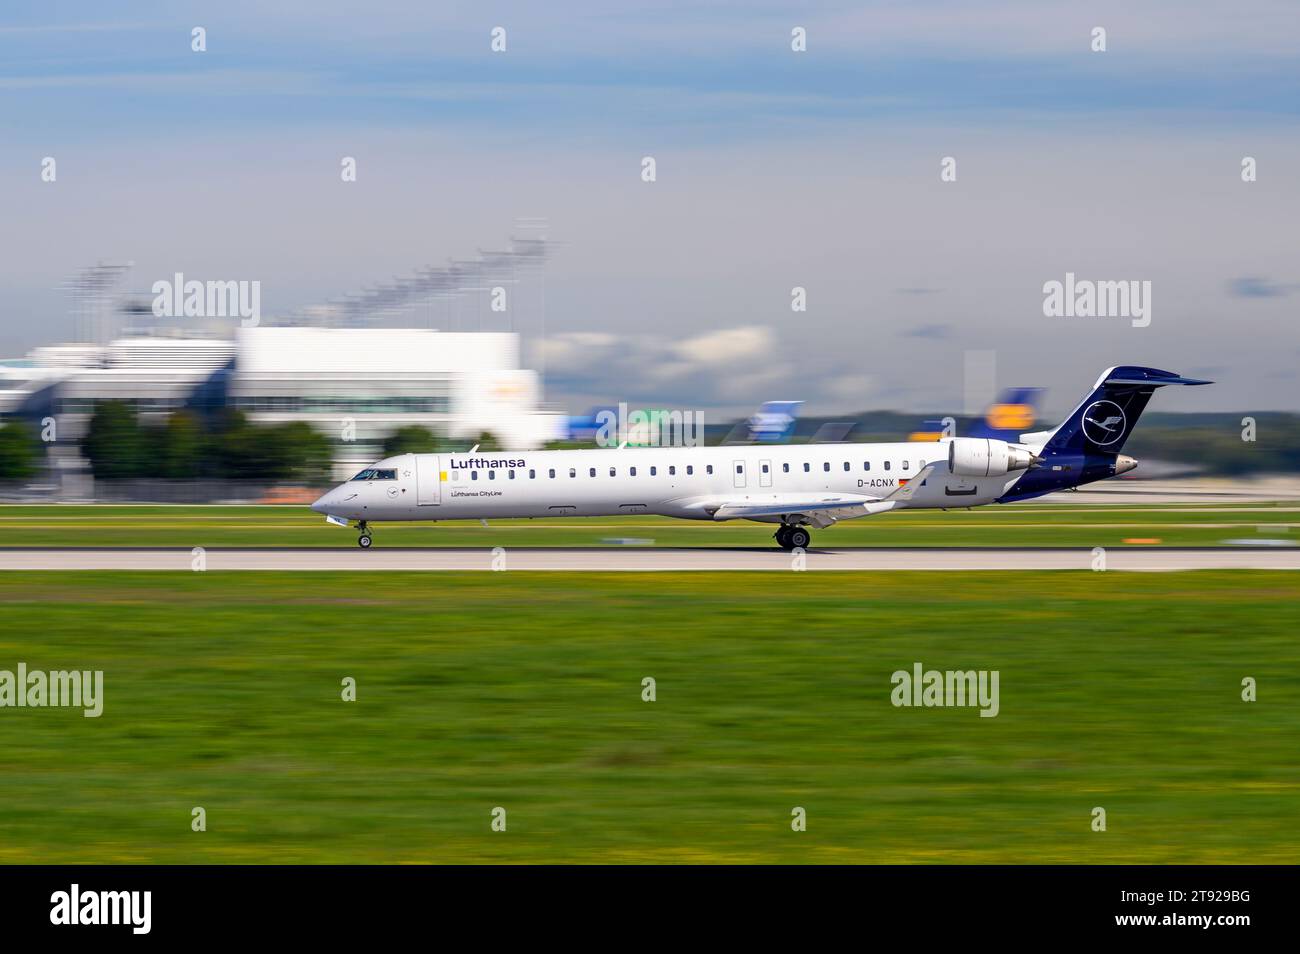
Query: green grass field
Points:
[1023, 525]
[524, 691]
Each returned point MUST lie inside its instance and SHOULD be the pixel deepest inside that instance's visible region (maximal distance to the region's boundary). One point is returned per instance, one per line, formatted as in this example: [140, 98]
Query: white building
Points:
[358, 385]
[156, 375]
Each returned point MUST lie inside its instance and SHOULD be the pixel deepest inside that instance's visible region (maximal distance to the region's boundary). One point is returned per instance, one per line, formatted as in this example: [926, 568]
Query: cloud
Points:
[1253, 286]
[935, 332]
[732, 368]
[723, 347]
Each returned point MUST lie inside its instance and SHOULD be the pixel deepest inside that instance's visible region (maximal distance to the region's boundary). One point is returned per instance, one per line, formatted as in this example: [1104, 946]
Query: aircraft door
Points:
[738, 473]
[428, 479]
[765, 473]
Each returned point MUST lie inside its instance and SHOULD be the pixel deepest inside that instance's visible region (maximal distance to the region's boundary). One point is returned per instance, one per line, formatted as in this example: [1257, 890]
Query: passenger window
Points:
[632, 471]
[866, 465]
[473, 475]
[708, 468]
[886, 465]
[906, 464]
[740, 469]
[826, 466]
[653, 471]
[785, 468]
[765, 468]
[593, 471]
[573, 472]
[512, 475]
[611, 472]
[807, 467]
[690, 469]
[532, 474]
[846, 466]
[551, 473]
[672, 470]
[492, 475]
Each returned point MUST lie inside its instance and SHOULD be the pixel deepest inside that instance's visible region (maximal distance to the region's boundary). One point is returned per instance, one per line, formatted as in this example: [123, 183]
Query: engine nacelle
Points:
[986, 457]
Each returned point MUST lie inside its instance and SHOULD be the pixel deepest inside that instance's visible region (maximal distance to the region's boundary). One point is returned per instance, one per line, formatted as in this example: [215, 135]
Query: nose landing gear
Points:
[364, 540]
[793, 538]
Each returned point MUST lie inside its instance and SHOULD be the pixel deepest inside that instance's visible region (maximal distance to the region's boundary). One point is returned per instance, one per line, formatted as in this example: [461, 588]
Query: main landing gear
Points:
[793, 538]
[364, 540]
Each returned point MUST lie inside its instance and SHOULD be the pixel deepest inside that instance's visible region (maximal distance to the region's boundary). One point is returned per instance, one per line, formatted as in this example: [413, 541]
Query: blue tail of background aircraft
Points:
[774, 422]
[1011, 414]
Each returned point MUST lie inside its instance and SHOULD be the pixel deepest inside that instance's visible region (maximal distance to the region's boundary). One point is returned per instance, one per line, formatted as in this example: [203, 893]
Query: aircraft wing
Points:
[821, 510]
[903, 495]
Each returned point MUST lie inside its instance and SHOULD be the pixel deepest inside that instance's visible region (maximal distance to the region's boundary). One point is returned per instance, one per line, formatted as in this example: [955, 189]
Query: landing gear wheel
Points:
[783, 537]
[798, 538]
[364, 541]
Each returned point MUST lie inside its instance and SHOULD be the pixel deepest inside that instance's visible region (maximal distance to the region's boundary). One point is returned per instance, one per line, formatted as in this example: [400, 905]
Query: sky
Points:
[775, 169]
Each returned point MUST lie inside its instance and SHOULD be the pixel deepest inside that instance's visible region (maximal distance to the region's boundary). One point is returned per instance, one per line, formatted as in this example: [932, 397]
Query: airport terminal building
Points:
[355, 385]
[360, 384]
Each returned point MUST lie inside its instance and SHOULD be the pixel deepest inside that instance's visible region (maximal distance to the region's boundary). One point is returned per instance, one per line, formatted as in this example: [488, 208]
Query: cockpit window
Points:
[372, 473]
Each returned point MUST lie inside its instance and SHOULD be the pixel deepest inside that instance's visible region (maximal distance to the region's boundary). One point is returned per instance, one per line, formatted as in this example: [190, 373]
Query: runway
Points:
[648, 559]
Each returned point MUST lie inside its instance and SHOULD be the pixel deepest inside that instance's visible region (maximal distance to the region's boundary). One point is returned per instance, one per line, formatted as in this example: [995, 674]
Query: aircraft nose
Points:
[322, 503]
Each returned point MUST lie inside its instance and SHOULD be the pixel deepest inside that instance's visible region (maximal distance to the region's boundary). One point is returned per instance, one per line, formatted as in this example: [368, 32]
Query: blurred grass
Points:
[1034, 525]
[524, 691]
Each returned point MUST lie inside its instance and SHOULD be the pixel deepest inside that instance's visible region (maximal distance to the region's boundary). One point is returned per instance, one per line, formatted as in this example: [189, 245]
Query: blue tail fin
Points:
[1103, 421]
[774, 422]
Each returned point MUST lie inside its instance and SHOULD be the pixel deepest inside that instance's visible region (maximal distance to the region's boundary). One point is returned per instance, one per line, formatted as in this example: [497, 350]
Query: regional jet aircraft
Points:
[795, 486]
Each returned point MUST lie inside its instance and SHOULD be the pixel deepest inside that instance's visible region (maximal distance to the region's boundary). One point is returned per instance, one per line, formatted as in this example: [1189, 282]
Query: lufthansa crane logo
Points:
[1104, 422]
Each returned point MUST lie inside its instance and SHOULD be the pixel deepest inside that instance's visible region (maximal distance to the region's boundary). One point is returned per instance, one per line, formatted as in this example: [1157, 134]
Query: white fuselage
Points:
[689, 482]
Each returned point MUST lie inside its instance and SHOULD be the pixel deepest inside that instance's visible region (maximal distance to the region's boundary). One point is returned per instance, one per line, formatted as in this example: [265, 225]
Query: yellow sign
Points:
[1011, 417]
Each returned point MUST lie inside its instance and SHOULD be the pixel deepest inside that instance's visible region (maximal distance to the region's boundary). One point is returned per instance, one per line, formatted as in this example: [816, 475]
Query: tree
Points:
[412, 439]
[114, 442]
[180, 447]
[488, 442]
[306, 453]
[19, 451]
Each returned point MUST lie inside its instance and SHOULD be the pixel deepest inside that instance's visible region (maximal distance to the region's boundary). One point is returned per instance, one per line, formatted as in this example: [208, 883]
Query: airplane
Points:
[772, 423]
[1011, 413]
[795, 486]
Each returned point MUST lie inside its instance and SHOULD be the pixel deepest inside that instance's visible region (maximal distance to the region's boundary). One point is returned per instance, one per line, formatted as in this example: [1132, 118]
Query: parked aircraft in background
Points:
[773, 423]
[1010, 415]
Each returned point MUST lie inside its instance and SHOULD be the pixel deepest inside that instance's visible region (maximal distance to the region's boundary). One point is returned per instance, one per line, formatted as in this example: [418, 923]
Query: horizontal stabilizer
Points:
[1157, 382]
